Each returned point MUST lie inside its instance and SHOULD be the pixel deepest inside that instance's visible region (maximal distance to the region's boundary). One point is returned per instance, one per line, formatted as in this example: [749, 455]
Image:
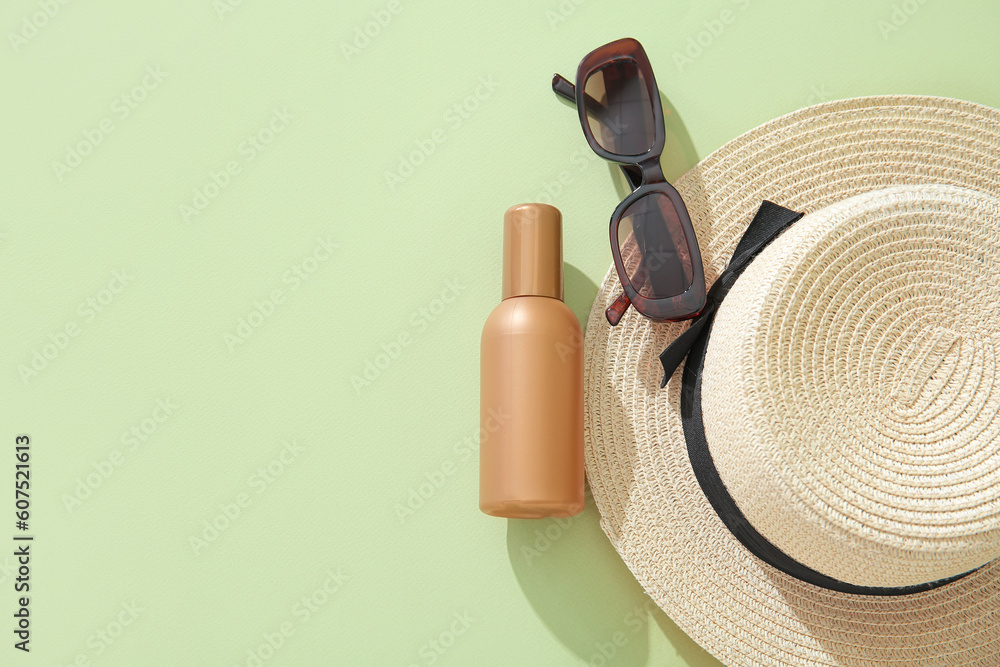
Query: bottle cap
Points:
[532, 251]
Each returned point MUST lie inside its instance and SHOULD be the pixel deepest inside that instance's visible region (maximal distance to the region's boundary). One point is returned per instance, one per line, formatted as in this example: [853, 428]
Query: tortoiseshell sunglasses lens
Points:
[654, 248]
[619, 109]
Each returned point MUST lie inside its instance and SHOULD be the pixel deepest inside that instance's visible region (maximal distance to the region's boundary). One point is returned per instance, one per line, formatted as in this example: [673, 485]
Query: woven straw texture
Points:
[850, 392]
[827, 362]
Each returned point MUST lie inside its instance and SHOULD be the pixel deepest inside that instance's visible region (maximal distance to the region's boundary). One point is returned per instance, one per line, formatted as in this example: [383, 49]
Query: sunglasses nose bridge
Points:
[651, 170]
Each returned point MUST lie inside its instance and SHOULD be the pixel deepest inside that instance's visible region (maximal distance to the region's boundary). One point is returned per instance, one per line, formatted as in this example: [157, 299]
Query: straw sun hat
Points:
[819, 481]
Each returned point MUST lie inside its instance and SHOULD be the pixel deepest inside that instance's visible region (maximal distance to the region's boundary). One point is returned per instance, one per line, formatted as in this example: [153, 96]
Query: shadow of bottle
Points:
[579, 587]
[582, 591]
[579, 292]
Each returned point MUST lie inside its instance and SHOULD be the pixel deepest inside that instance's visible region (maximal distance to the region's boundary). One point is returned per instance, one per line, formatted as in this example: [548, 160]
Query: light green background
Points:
[404, 583]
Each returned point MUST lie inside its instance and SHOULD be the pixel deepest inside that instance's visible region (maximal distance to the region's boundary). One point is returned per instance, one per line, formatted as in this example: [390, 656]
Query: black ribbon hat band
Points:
[766, 225]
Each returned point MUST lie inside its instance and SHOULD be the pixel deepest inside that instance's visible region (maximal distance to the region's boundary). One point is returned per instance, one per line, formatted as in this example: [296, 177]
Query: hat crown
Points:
[850, 391]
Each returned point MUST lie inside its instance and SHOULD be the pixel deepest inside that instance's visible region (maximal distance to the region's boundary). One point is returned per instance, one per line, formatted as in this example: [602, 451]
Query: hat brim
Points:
[652, 508]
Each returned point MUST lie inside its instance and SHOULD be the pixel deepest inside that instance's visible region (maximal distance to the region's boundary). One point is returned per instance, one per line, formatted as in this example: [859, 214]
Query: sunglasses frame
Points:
[647, 181]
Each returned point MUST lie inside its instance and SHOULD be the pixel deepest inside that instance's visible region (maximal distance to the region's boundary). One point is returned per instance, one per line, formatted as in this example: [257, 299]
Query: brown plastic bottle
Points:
[531, 379]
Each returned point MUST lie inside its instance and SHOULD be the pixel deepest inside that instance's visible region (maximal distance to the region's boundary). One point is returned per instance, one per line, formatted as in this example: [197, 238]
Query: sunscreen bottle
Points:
[531, 379]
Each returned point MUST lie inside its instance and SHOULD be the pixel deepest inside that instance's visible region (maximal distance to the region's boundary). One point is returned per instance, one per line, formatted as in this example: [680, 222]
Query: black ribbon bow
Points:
[766, 225]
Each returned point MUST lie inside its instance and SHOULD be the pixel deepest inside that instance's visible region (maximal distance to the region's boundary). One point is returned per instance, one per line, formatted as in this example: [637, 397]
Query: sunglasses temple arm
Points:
[617, 309]
[563, 88]
[566, 90]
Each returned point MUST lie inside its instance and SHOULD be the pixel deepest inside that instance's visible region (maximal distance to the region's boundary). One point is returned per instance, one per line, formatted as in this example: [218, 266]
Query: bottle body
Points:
[531, 410]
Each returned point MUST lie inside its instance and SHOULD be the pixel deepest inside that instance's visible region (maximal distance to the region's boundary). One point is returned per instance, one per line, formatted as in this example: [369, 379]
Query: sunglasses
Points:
[653, 243]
